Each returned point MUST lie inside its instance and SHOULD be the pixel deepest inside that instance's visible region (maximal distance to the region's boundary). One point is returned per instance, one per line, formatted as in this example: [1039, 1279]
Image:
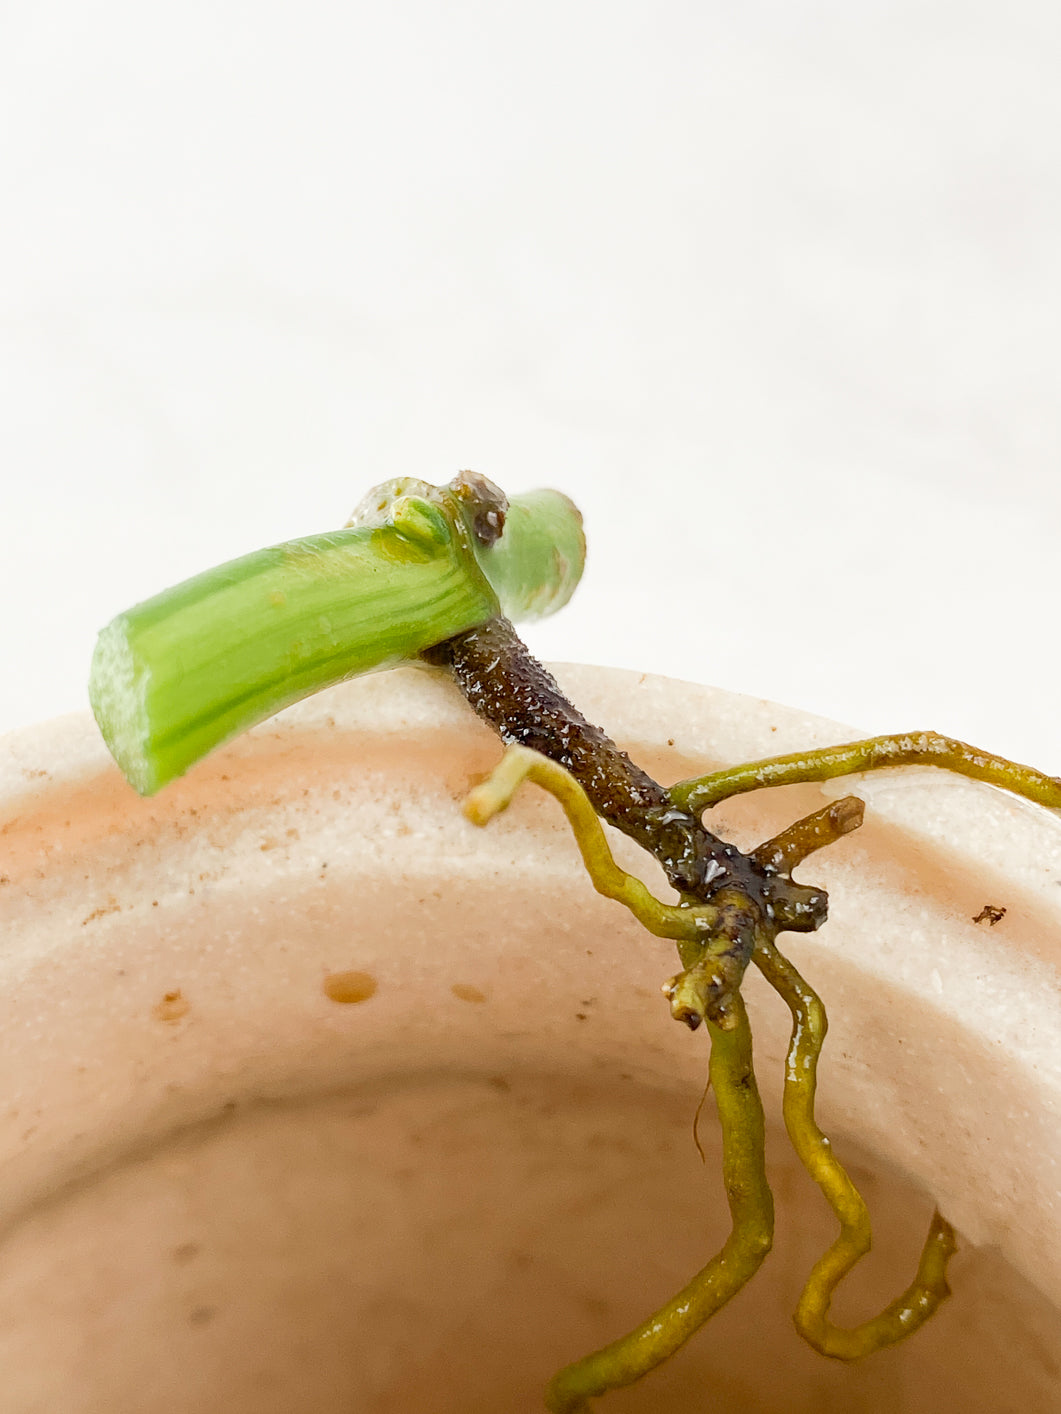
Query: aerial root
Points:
[813, 832]
[751, 1207]
[903, 749]
[520, 764]
[929, 1287]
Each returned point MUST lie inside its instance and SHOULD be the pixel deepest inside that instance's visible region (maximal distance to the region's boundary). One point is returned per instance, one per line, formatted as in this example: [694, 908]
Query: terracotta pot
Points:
[319, 1099]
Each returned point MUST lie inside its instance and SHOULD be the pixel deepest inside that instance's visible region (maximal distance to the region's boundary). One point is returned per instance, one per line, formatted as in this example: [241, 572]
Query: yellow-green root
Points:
[751, 1207]
[906, 749]
[813, 832]
[520, 764]
[929, 1288]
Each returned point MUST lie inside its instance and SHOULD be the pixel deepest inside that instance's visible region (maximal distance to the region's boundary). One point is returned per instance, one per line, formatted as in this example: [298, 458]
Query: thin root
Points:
[696, 1121]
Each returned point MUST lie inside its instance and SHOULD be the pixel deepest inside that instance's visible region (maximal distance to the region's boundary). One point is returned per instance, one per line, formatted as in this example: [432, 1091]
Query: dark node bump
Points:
[488, 525]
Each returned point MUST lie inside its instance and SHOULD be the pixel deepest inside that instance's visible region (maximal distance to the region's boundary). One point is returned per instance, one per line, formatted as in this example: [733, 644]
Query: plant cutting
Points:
[437, 574]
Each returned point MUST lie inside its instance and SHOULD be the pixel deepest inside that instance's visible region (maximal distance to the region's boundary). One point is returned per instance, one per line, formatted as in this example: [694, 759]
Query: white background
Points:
[772, 289]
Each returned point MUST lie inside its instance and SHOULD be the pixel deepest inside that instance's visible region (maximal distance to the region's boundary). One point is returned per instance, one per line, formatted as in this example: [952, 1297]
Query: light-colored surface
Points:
[772, 289]
[219, 1184]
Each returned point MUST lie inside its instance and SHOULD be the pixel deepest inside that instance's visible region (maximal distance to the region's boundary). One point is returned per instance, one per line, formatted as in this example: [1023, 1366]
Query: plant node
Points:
[731, 908]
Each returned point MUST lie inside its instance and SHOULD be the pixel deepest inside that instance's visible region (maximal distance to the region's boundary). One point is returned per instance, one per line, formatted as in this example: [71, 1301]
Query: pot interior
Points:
[443, 1241]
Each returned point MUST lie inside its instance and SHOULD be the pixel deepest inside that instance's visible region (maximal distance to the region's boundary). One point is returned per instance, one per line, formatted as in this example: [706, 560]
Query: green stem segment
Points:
[196, 665]
[751, 1207]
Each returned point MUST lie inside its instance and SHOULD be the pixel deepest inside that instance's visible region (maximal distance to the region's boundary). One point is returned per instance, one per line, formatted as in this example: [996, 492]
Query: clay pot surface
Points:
[318, 1098]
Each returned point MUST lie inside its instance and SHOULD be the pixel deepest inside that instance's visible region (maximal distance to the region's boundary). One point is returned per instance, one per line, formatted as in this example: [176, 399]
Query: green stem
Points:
[196, 665]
